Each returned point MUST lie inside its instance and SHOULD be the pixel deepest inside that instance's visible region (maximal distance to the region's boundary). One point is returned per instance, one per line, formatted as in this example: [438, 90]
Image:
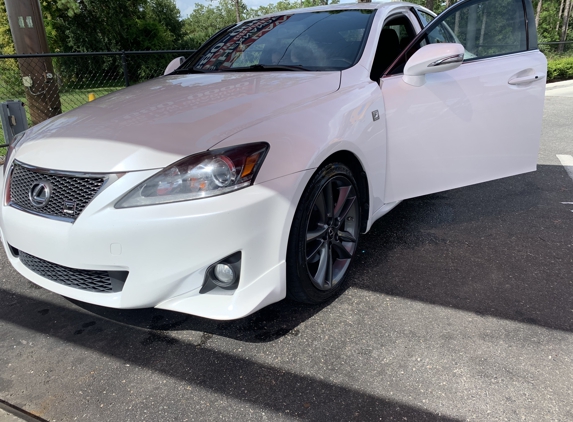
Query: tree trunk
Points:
[483, 23]
[559, 15]
[565, 26]
[448, 3]
[539, 6]
[237, 10]
[430, 4]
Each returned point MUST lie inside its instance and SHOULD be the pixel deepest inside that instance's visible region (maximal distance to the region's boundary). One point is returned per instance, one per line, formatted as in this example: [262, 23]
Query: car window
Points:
[396, 34]
[425, 18]
[314, 41]
[485, 28]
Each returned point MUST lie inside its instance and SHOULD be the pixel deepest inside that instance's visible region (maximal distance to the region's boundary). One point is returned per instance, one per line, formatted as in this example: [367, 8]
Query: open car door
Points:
[478, 121]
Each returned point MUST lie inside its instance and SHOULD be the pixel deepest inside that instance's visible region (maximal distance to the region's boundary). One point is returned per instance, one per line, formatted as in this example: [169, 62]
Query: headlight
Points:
[15, 141]
[201, 175]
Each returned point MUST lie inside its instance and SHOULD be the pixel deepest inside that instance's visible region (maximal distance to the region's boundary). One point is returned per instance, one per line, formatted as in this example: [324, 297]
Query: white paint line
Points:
[567, 203]
[567, 162]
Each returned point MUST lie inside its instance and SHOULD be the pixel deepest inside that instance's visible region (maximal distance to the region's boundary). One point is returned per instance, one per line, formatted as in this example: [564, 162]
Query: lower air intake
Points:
[90, 280]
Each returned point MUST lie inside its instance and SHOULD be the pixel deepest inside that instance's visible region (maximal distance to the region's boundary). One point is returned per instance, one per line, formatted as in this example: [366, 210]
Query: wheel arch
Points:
[350, 160]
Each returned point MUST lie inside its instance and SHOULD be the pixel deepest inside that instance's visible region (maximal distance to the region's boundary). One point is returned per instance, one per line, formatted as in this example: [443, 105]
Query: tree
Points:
[205, 20]
[166, 13]
[10, 78]
[113, 26]
[6, 44]
[565, 26]
[559, 15]
[539, 5]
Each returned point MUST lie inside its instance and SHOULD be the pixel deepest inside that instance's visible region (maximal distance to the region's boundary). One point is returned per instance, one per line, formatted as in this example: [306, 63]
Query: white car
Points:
[249, 172]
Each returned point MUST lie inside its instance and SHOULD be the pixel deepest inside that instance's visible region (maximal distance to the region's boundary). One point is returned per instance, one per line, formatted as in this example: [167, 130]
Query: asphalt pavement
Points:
[459, 307]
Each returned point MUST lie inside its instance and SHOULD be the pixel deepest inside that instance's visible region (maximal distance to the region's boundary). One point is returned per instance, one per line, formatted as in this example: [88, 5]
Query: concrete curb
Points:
[559, 89]
[560, 84]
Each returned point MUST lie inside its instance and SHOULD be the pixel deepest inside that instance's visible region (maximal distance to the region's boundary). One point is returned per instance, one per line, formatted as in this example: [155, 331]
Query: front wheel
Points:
[324, 235]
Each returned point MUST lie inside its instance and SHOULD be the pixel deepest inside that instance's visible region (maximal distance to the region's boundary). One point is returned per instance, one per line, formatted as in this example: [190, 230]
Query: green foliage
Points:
[205, 20]
[560, 69]
[113, 25]
[136, 25]
[166, 13]
[6, 44]
[9, 73]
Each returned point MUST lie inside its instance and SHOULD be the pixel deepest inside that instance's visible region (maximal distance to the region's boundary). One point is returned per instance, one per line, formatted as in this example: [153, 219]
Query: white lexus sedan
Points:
[248, 172]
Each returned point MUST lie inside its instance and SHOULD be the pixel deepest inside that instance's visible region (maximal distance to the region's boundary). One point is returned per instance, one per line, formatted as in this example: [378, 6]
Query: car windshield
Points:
[330, 40]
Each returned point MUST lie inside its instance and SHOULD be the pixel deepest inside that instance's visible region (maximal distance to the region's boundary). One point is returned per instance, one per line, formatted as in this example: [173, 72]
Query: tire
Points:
[324, 235]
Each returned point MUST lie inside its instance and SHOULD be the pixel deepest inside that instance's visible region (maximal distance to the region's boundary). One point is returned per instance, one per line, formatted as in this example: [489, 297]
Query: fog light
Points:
[224, 275]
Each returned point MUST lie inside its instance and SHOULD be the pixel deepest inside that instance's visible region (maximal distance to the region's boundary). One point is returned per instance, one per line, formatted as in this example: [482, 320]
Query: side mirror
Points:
[173, 65]
[432, 58]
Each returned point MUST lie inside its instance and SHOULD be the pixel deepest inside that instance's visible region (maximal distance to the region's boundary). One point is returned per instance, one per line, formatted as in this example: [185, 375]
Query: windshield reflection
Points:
[330, 40]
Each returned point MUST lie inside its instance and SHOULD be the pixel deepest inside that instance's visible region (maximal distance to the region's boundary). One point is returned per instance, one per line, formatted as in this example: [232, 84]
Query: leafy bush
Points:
[560, 69]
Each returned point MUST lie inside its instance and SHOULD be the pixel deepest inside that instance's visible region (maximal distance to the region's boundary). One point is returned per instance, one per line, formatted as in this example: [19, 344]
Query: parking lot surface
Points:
[459, 306]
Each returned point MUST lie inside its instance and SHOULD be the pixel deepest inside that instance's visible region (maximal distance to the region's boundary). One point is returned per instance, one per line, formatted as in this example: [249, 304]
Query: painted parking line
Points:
[567, 163]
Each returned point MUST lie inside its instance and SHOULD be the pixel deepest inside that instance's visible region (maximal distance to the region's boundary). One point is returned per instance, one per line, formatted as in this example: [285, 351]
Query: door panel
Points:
[479, 122]
[465, 126]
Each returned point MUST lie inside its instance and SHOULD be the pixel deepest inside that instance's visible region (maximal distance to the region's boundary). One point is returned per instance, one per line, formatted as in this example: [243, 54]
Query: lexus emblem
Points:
[40, 193]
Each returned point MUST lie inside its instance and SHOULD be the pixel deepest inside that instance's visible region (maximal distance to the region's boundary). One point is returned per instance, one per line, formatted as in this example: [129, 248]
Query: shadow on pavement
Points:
[292, 394]
[268, 324]
[502, 249]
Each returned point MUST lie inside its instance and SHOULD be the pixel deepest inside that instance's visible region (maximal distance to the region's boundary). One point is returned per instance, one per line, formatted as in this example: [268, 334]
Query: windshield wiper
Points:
[266, 67]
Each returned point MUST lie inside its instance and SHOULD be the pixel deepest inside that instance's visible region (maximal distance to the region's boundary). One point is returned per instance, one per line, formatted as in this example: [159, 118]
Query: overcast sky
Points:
[186, 6]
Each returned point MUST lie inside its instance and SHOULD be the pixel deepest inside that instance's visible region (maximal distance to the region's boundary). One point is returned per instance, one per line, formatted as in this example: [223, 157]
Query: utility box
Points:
[14, 120]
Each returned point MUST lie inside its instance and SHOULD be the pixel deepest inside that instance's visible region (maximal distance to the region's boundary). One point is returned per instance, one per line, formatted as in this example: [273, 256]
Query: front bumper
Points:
[167, 248]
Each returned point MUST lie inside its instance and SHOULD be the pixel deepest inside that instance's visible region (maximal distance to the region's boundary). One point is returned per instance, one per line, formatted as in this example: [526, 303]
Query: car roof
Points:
[345, 6]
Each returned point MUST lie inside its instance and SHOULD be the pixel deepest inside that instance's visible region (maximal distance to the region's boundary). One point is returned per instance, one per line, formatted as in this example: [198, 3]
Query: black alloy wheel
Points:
[324, 235]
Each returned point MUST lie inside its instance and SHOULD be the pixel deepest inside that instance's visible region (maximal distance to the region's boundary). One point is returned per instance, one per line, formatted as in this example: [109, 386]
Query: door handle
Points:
[526, 79]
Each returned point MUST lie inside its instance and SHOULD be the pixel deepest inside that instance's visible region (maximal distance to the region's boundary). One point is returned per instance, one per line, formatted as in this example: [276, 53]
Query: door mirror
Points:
[173, 65]
[432, 58]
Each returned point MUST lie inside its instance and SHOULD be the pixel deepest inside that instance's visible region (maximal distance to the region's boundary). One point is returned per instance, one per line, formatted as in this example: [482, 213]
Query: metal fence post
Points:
[124, 63]
[13, 118]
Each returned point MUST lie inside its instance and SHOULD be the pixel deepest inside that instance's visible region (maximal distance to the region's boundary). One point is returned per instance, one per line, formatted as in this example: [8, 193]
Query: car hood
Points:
[155, 123]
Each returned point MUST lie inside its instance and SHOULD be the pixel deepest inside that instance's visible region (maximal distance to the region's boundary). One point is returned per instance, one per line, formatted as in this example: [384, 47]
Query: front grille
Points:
[91, 280]
[69, 194]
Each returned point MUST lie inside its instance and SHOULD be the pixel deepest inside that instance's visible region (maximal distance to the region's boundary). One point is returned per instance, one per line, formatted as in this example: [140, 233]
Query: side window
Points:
[396, 34]
[485, 28]
[425, 18]
[442, 33]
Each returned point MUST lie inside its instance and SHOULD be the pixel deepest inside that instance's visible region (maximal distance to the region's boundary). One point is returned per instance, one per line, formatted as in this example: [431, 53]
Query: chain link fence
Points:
[557, 48]
[50, 84]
